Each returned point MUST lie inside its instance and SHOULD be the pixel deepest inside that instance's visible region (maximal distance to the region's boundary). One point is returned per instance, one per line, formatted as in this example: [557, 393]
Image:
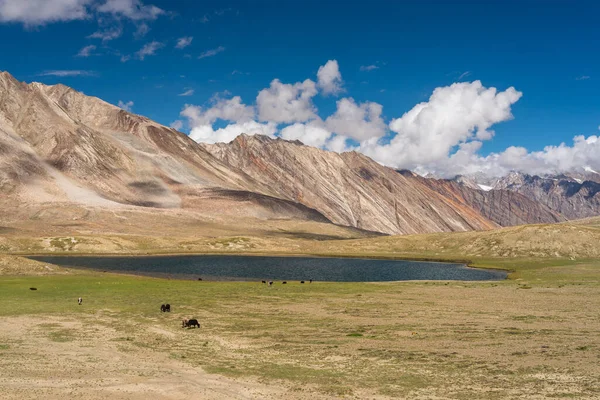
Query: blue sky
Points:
[549, 51]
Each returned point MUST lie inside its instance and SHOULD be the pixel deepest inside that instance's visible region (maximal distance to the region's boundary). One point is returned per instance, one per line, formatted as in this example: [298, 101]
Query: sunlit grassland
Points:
[396, 339]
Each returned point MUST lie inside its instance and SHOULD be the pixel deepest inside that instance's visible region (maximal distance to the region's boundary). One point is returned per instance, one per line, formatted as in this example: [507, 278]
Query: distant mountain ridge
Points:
[58, 145]
[575, 195]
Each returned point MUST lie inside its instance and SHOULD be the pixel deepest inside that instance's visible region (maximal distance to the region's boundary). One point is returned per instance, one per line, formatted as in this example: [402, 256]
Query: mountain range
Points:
[60, 146]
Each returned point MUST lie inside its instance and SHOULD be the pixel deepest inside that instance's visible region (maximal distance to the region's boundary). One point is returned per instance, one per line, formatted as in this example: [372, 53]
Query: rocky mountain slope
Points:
[59, 146]
[351, 189]
[504, 207]
[574, 195]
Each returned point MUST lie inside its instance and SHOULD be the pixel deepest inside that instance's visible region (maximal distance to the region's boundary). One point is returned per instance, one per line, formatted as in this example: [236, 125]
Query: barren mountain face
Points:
[58, 145]
[504, 207]
[349, 188]
[573, 197]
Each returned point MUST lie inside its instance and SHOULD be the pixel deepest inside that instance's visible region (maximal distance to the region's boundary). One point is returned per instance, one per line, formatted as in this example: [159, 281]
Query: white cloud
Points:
[464, 75]
[232, 110]
[63, 73]
[184, 42]
[311, 134]
[132, 9]
[453, 115]
[188, 92]
[368, 67]
[206, 133]
[329, 78]
[177, 125]
[357, 121]
[141, 30]
[128, 106]
[212, 52]
[339, 144]
[107, 34]
[444, 135]
[40, 12]
[86, 51]
[582, 78]
[149, 49]
[287, 103]
[584, 153]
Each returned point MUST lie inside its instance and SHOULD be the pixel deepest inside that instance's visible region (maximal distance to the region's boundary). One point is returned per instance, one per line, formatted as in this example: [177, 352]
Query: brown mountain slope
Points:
[348, 188]
[572, 198]
[504, 207]
[57, 144]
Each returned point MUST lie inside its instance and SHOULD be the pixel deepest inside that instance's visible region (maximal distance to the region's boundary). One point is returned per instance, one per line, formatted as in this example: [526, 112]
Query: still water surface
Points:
[250, 268]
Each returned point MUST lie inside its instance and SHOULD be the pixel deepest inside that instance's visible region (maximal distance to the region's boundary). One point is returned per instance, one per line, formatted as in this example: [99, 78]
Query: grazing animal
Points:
[301, 281]
[284, 282]
[163, 308]
[167, 307]
[188, 323]
[32, 288]
[199, 279]
[310, 281]
[270, 283]
[264, 281]
[79, 301]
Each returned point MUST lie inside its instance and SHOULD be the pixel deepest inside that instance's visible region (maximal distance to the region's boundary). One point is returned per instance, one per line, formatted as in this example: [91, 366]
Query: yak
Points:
[189, 323]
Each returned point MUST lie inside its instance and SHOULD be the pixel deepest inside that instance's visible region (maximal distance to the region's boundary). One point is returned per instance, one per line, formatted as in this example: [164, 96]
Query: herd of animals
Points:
[193, 323]
[284, 282]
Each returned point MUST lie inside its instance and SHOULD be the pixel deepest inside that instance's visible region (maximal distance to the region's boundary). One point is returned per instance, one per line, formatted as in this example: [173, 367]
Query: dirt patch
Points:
[98, 363]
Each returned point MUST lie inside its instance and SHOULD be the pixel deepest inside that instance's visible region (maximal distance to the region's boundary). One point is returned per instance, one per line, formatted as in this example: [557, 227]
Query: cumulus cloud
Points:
[585, 152]
[357, 121]
[149, 49]
[454, 114]
[86, 51]
[287, 103]
[40, 12]
[312, 134]
[329, 78]
[232, 110]
[443, 135]
[211, 52]
[127, 106]
[184, 42]
[206, 133]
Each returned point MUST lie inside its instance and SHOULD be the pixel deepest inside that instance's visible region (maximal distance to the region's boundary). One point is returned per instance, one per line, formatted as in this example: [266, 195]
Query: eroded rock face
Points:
[57, 144]
[504, 207]
[572, 197]
[348, 188]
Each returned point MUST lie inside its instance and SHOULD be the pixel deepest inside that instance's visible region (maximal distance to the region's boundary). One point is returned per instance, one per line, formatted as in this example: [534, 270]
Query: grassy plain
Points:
[536, 335]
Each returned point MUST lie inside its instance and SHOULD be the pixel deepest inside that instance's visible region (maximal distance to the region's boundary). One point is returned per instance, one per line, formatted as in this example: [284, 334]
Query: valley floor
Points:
[537, 337]
[534, 336]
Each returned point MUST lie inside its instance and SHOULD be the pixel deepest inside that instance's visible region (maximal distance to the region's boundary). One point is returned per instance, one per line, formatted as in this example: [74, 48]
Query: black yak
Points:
[188, 323]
